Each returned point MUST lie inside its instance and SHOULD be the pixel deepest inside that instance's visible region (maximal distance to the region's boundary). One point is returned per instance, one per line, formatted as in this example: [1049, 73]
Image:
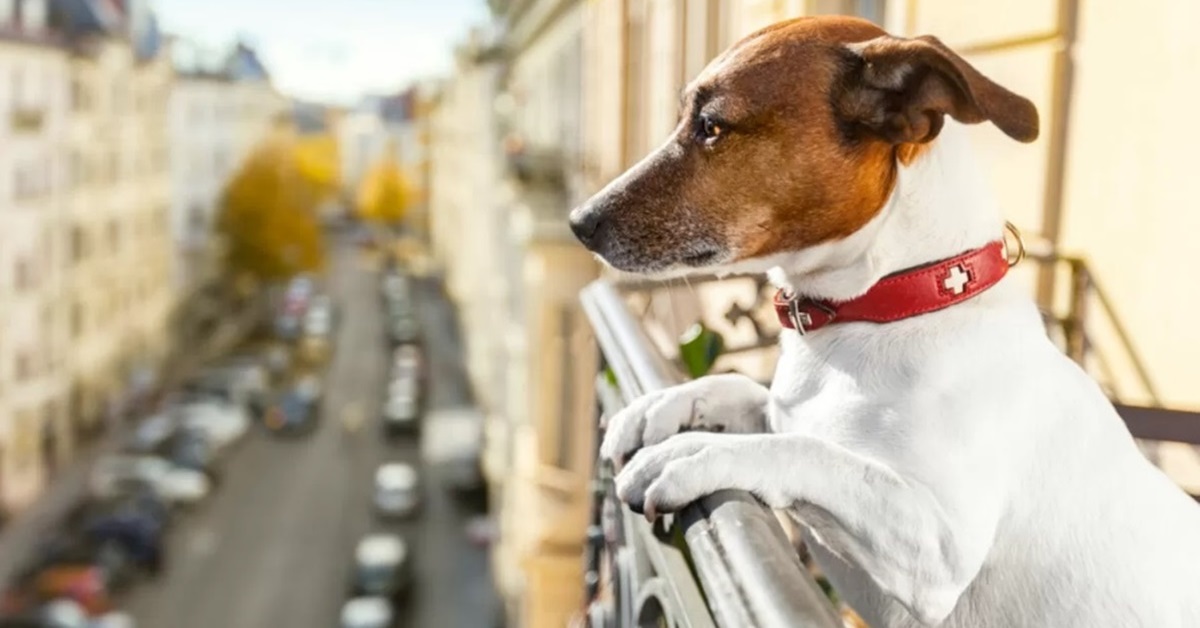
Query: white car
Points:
[396, 287]
[403, 387]
[406, 362]
[223, 423]
[381, 567]
[401, 413]
[174, 484]
[367, 612]
[318, 322]
[66, 613]
[397, 490]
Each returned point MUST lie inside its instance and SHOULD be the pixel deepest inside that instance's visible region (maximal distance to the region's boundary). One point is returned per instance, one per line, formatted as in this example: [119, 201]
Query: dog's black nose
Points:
[585, 224]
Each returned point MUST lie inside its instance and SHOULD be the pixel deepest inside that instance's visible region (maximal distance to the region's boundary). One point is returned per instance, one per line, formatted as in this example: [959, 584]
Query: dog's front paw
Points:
[668, 476]
[721, 403]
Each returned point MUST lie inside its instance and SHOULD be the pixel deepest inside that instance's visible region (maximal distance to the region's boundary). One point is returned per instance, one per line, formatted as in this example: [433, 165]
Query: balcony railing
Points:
[723, 561]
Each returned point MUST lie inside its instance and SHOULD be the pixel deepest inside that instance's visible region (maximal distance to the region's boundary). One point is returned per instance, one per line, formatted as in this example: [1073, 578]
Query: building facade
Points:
[34, 346]
[506, 150]
[84, 292]
[221, 105]
[120, 259]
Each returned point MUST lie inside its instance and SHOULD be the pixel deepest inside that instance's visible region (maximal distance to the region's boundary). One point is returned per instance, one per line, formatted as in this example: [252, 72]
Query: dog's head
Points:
[789, 139]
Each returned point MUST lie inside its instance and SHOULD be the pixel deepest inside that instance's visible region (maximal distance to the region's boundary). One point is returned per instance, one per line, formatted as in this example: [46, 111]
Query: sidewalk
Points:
[21, 536]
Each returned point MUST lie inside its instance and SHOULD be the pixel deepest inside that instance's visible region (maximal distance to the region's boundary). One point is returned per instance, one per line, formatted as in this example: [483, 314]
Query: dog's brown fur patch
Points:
[791, 138]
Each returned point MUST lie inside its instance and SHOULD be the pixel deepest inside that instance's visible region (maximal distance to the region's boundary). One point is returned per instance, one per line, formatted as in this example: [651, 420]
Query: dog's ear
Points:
[901, 89]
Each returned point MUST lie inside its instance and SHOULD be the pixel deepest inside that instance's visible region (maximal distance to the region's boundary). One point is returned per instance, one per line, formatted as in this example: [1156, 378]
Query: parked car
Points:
[252, 373]
[382, 567]
[294, 412]
[397, 490]
[289, 319]
[247, 385]
[122, 474]
[186, 446]
[145, 502]
[321, 316]
[408, 362]
[67, 552]
[86, 585]
[401, 415]
[136, 523]
[459, 434]
[66, 613]
[223, 423]
[406, 387]
[396, 287]
[404, 329]
[61, 613]
[366, 612]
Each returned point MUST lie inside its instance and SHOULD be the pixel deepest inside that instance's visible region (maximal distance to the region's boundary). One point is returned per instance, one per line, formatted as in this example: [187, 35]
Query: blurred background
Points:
[293, 331]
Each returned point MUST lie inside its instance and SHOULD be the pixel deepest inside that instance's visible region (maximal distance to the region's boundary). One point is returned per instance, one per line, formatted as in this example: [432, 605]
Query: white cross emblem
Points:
[956, 280]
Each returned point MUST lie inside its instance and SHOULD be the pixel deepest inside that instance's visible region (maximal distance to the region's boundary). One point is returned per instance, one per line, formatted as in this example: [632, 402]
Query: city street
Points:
[274, 544]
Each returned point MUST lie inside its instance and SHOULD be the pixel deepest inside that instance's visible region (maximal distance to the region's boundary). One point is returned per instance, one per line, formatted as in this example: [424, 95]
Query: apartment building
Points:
[119, 241]
[34, 348]
[221, 104]
[84, 293]
[506, 148]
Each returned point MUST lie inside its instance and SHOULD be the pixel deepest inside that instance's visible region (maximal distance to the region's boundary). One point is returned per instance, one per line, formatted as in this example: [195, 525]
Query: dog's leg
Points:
[729, 403]
[896, 530]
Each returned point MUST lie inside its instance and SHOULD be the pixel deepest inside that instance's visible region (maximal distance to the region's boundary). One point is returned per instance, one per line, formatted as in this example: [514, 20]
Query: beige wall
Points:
[34, 349]
[119, 239]
[1108, 177]
[1128, 202]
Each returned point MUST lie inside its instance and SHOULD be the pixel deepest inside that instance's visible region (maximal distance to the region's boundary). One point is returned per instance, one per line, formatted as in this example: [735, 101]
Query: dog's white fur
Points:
[952, 469]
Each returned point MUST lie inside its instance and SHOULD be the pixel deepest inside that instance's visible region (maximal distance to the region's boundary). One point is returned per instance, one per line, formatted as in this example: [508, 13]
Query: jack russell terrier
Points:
[948, 465]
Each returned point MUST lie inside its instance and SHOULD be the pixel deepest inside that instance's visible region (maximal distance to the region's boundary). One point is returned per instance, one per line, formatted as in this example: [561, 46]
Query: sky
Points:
[332, 50]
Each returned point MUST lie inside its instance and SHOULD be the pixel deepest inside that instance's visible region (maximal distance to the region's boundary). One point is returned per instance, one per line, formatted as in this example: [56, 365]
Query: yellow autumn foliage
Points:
[269, 216]
[384, 194]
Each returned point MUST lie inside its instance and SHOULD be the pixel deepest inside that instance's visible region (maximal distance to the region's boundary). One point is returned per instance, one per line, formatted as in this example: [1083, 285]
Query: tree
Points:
[269, 216]
[384, 194]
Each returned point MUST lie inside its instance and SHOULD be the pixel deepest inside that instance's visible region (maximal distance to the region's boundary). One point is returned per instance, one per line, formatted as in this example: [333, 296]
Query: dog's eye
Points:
[710, 129]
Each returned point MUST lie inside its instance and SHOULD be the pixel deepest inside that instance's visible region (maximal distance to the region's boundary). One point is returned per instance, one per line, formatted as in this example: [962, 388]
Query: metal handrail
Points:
[746, 573]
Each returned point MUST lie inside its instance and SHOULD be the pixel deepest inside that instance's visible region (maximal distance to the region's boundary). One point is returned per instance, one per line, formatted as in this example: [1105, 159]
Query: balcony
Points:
[706, 566]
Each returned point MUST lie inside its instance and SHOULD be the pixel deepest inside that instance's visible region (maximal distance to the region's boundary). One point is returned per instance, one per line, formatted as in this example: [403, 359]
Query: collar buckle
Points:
[801, 319]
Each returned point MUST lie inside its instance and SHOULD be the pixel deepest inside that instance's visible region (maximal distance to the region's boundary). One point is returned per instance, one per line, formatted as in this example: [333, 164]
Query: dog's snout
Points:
[585, 224]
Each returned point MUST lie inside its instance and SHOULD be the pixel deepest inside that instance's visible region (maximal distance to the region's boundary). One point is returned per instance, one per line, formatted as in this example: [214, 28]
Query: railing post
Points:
[595, 529]
[1076, 328]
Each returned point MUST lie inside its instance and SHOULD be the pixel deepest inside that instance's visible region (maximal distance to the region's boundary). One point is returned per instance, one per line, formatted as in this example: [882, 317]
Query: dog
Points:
[948, 465]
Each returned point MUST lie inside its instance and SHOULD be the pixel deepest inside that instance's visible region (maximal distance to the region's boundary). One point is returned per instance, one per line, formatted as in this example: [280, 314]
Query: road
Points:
[272, 547]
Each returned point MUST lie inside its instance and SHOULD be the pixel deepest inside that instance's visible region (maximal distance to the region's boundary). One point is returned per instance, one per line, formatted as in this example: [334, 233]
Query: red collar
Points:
[904, 294]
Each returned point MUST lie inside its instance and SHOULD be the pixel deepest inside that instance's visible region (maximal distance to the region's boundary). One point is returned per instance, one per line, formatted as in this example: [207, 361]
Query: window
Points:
[24, 367]
[34, 15]
[76, 93]
[78, 244]
[114, 236]
[24, 275]
[78, 322]
[78, 168]
[196, 221]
